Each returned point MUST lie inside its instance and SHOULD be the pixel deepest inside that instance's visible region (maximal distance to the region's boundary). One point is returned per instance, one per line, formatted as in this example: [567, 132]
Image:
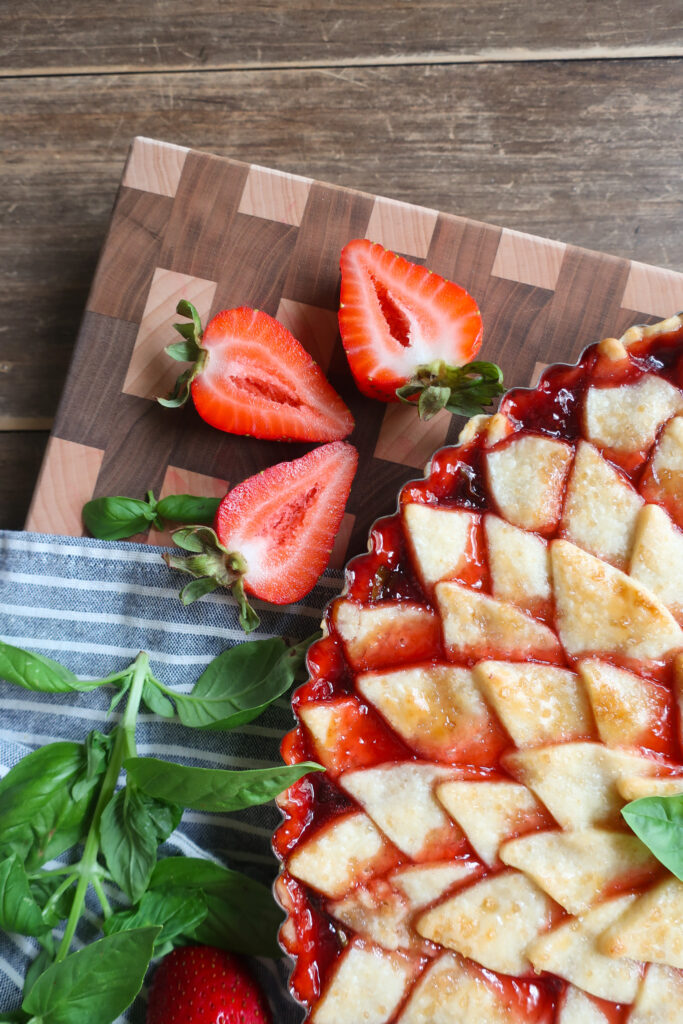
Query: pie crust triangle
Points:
[499, 678]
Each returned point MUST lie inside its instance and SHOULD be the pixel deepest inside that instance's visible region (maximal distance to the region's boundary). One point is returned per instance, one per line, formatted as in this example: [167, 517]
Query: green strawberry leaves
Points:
[212, 566]
[192, 331]
[117, 517]
[462, 390]
[189, 350]
[658, 823]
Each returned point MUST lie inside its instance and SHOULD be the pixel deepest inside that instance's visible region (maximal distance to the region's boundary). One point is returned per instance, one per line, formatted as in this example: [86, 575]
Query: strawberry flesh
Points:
[283, 521]
[395, 316]
[258, 380]
[203, 985]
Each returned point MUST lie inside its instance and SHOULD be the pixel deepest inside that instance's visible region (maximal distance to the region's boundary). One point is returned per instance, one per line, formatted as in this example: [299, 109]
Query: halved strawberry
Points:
[408, 332]
[273, 532]
[251, 376]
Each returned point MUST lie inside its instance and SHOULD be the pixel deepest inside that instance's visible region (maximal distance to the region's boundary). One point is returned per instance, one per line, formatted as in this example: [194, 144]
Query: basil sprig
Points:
[658, 823]
[117, 517]
[63, 797]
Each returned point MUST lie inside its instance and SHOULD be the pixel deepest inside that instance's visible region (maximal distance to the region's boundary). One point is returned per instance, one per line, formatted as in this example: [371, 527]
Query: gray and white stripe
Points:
[93, 605]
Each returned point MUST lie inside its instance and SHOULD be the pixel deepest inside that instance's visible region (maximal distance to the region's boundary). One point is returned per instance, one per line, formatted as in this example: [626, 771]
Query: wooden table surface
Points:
[560, 119]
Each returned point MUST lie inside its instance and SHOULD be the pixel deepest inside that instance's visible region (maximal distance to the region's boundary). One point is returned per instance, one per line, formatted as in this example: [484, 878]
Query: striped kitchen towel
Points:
[93, 606]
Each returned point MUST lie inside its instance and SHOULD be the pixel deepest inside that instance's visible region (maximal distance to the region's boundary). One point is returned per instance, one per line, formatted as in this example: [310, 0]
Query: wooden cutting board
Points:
[221, 233]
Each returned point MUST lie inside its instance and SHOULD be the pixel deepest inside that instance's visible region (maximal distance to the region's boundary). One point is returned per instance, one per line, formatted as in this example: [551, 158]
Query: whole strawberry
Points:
[203, 985]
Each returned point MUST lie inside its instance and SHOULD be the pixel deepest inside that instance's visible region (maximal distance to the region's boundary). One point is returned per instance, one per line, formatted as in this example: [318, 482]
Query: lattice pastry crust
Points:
[500, 677]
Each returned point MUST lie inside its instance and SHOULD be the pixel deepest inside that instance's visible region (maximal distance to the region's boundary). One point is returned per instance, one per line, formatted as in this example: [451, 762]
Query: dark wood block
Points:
[463, 251]
[196, 240]
[259, 256]
[132, 252]
[89, 405]
[332, 216]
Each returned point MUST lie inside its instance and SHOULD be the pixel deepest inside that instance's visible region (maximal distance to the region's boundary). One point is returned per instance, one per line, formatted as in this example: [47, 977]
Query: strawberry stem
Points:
[211, 565]
[462, 390]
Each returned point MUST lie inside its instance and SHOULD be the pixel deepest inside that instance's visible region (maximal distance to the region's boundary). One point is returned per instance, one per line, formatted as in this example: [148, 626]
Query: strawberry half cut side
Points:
[273, 533]
[251, 376]
[410, 334]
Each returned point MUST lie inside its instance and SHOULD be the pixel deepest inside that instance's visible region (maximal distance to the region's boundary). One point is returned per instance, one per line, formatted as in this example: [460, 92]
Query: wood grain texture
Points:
[541, 301]
[21, 455]
[67, 480]
[587, 153]
[170, 34]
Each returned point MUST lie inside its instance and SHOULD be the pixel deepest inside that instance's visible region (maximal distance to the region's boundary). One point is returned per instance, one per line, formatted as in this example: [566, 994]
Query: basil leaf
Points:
[39, 965]
[40, 816]
[213, 789]
[96, 984]
[229, 907]
[117, 517]
[97, 748]
[165, 816]
[131, 828]
[19, 911]
[658, 822]
[238, 685]
[34, 672]
[191, 873]
[154, 699]
[231, 899]
[178, 913]
[188, 508]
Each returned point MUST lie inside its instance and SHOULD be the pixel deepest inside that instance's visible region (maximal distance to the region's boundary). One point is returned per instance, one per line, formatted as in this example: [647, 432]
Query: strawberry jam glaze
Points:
[456, 480]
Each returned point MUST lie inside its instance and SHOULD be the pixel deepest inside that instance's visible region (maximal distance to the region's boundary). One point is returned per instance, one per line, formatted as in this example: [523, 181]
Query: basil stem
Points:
[124, 747]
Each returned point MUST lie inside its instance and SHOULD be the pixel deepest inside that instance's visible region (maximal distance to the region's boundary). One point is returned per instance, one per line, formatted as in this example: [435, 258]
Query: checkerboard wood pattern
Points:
[223, 233]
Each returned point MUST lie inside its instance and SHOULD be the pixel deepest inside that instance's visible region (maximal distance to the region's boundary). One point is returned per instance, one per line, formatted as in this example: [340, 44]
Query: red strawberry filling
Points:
[429, 659]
